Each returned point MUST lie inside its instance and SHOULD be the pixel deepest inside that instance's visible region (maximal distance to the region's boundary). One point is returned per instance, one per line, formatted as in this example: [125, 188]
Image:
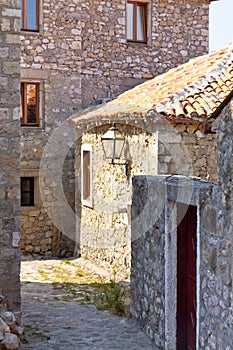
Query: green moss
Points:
[77, 283]
[30, 331]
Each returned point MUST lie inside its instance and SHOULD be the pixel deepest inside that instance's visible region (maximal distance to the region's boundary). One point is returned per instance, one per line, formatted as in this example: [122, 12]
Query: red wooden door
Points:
[186, 278]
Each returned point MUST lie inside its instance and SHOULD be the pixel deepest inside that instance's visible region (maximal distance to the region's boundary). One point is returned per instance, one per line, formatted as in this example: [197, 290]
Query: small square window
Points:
[86, 176]
[30, 15]
[27, 191]
[30, 94]
[136, 21]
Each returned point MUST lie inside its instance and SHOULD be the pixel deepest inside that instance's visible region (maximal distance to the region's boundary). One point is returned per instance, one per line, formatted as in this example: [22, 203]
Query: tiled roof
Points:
[193, 91]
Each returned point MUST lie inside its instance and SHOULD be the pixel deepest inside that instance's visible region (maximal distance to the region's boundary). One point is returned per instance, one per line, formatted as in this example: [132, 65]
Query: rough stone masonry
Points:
[154, 256]
[9, 175]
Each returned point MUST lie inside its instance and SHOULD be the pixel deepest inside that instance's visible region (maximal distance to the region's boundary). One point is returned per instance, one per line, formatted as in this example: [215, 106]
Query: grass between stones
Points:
[30, 331]
[85, 287]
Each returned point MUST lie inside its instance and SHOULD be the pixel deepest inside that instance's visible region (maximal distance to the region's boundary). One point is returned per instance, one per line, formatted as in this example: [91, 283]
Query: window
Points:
[137, 21]
[30, 94]
[30, 15]
[86, 177]
[27, 191]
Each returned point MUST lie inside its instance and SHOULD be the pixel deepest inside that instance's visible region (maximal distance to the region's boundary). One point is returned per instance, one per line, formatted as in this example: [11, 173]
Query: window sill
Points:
[87, 204]
[24, 33]
[137, 43]
[36, 128]
[28, 207]
[30, 126]
[29, 31]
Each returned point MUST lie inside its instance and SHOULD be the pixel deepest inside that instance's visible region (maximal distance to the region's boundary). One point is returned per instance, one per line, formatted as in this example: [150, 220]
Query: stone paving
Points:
[53, 320]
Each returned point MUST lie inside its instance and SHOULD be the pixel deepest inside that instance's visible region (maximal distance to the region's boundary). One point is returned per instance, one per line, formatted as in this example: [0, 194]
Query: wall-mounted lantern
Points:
[113, 143]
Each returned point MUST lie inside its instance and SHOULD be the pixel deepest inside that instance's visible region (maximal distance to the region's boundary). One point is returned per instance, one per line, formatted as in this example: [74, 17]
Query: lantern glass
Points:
[108, 146]
[113, 143]
[118, 148]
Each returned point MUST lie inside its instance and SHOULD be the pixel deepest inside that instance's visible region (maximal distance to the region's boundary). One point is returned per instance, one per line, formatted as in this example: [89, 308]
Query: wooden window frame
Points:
[31, 202]
[24, 104]
[24, 26]
[86, 176]
[145, 6]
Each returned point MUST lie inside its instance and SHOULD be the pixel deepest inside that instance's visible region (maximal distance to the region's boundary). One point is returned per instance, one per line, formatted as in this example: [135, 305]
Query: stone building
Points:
[152, 146]
[178, 135]
[182, 244]
[76, 54]
[9, 173]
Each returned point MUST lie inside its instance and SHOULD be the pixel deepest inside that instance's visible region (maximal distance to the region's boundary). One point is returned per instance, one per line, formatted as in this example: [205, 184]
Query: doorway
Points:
[186, 276]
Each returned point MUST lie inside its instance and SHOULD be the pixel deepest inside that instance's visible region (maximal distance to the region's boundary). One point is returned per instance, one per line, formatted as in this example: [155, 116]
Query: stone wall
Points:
[39, 234]
[10, 328]
[186, 149]
[214, 249]
[83, 44]
[53, 58]
[216, 316]
[9, 159]
[154, 253]
[148, 256]
[105, 227]
[111, 65]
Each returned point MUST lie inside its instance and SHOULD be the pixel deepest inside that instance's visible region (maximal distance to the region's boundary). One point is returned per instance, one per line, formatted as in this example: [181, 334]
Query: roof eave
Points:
[224, 103]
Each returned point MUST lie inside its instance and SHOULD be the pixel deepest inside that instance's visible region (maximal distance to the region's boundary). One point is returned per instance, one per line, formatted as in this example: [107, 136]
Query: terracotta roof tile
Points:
[193, 90]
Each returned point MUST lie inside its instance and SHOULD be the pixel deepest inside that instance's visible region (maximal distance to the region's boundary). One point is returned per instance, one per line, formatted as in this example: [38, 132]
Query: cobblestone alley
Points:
[58, 315]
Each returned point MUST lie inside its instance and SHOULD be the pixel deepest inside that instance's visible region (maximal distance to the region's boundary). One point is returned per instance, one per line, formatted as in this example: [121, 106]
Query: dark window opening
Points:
[27, 191]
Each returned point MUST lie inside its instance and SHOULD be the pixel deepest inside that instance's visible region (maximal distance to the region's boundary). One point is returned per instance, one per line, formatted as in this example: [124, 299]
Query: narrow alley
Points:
[58, 313]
